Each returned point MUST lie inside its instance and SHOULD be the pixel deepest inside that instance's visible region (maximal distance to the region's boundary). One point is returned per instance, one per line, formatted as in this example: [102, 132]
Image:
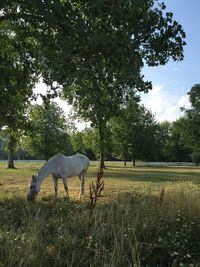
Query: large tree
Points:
[134, 132]
[96, 49]
[123, 39]
[17, 79]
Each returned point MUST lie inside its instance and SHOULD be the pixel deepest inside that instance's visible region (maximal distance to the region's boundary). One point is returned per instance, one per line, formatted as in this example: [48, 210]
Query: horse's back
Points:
[73, 165]
[82, 158]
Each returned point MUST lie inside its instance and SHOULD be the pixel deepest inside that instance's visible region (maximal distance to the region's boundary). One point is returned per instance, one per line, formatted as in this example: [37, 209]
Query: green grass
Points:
[147, 216]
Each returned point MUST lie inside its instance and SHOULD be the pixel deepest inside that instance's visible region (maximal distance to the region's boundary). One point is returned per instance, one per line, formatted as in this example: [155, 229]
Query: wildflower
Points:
[188, 255]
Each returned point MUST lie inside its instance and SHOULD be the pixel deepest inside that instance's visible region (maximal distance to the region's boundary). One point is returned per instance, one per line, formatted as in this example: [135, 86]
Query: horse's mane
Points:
[50, 161]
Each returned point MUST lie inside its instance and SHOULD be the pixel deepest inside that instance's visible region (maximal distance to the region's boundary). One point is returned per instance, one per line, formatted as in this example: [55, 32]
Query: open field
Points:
[147, 216]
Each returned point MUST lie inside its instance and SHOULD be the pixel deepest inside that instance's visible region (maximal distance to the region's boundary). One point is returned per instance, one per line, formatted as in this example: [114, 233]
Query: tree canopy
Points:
[49, 131]
[94, 50]
[77, 40]
[193, 121]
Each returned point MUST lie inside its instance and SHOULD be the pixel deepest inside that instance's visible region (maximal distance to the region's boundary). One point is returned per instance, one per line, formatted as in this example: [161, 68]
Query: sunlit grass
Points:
[117, 178]
[148, 216]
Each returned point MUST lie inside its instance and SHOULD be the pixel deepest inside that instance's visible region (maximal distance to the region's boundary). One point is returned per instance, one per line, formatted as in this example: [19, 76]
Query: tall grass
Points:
[132, 230]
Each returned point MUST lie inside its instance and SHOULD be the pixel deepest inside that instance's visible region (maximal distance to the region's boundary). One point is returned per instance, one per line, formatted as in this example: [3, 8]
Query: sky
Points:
[172, 81]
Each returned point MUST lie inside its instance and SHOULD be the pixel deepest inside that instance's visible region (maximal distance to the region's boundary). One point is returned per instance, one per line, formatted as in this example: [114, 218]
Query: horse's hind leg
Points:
[55, 180]
[82, 185]
[65, 186]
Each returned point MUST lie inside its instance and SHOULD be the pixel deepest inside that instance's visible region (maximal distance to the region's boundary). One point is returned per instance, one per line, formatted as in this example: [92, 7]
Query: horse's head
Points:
[32, 190]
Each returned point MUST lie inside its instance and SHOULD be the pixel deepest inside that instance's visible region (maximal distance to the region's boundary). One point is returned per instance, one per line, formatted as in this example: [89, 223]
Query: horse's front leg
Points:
[55, 181]
[82, 186]
[65, 185]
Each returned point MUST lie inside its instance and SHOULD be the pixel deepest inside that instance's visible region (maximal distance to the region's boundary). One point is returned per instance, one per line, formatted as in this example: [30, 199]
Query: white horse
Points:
[62, 167]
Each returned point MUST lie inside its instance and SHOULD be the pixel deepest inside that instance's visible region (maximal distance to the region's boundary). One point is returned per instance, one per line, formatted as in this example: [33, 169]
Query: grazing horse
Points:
[62, 167]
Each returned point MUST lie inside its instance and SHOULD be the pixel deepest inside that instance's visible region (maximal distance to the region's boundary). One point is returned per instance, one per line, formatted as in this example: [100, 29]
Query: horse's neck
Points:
[43, 173]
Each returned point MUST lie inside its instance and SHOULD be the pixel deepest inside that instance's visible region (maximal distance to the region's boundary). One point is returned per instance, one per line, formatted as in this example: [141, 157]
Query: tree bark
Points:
[11, 150]
[101, 140]
[134, 161]
[125, 154]
[133, 157]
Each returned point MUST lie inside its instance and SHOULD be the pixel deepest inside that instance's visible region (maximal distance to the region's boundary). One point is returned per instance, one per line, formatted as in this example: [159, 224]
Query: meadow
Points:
[146, 216]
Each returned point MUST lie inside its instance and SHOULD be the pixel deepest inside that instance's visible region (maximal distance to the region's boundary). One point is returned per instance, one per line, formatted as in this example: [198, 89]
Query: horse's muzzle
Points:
[30, 198]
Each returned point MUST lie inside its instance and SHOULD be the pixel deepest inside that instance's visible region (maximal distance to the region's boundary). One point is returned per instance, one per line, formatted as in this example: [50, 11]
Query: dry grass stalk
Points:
[96, 189]
[162, 193]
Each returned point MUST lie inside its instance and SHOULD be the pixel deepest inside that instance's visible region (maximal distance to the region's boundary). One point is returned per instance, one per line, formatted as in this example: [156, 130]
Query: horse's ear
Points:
[33, 177]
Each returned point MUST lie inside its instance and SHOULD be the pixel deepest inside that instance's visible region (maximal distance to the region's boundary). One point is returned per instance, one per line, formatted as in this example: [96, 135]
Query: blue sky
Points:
[172, 81]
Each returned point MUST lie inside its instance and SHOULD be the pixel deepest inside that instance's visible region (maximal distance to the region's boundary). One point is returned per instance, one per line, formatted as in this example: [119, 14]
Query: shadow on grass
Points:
[154, 174]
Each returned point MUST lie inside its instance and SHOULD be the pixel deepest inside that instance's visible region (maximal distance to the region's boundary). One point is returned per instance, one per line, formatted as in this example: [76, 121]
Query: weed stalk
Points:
[95, 192]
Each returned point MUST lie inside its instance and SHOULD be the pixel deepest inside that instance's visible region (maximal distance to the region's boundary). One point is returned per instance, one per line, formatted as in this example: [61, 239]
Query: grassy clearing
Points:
[136, 222]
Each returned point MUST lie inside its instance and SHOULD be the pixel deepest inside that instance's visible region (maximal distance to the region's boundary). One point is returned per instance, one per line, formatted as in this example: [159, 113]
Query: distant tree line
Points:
[133, 134]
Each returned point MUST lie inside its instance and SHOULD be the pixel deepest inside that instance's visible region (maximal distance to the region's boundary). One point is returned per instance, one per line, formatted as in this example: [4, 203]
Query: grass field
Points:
[147, 216]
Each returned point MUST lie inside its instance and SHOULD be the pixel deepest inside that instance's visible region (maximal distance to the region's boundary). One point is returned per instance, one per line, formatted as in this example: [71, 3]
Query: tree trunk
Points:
[125, 154]
[134, 158]
[133, 154]
[11, 149]
[134, 161]
[102, 162]
[101, 140]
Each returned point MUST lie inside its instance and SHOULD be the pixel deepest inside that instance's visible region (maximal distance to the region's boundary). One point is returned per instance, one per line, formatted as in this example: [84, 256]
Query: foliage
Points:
[18, 75]
[163, 134]
[87, 142]
[178, 146]
[92, 38]
[3, 144]
[193, 116]
[48, 133]
[134, 132]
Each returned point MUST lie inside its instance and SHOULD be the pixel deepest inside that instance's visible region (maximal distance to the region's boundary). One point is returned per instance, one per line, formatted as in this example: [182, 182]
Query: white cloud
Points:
[165, 105]
[162, 103]
[41, 88]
